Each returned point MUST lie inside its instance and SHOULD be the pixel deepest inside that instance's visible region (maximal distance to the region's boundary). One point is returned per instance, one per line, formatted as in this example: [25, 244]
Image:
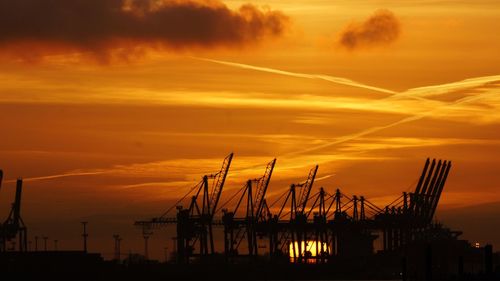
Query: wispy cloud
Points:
[385, 143]
[412, 100]
[436, 90]
[411, 118]
[297, 158]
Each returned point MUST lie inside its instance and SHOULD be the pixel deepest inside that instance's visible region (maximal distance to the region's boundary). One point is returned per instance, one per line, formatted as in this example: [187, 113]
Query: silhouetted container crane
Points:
[403, 221]
[330, 225]
[236, 229]
[195, 224]
[14, 225]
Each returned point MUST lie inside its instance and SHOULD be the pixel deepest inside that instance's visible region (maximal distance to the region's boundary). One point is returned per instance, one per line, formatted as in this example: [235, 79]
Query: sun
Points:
[309, 250]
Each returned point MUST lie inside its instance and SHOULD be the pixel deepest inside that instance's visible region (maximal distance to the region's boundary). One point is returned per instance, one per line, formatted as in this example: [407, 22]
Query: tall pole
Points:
[84, 235]
[174, 240]
[146, 252]
[45, 242]
[146, 233]
[117, 246]
[36, 243]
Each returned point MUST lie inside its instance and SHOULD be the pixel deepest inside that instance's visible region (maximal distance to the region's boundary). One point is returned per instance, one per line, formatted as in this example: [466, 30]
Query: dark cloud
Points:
[381, 28]
[100, 26]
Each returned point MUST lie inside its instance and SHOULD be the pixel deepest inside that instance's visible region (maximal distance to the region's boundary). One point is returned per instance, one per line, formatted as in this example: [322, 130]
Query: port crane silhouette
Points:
[300, 222]
[13, 227]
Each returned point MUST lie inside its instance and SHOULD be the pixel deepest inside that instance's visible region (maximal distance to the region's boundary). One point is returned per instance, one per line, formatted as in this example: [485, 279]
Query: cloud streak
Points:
[37, 27]
[249, 167]
[419, 93]
[408, 119]
[435, 90]
[382, 28]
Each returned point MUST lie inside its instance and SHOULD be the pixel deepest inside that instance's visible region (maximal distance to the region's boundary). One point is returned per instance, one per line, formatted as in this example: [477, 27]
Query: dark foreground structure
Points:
[302, 235]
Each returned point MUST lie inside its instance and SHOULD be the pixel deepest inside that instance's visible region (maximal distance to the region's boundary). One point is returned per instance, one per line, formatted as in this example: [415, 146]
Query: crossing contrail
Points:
[414, 93]
[334, 79]
[411, 118]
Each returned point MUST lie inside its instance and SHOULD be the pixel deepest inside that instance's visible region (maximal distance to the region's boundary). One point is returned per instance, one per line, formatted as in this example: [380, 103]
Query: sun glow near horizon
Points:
[309, 250]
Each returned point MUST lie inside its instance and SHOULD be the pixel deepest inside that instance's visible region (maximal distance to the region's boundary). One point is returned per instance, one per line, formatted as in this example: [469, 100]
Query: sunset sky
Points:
[111, 109]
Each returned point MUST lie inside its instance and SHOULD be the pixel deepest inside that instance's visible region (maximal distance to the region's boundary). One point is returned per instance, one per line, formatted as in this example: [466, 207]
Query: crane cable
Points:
[229, 200]
[180, 200]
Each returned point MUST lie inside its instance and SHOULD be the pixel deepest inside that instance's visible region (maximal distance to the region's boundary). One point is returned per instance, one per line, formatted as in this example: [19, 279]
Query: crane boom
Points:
[440, 187]
[262, 187]
[306, 189]
[218, 184]
[414, 198]
[17, 202]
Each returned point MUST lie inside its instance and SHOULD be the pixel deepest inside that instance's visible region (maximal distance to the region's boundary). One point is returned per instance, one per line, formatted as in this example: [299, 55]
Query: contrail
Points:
[414, 93]
[70, 174]
[337, 80]
[435, 90]
[324, 177]
[418, 93]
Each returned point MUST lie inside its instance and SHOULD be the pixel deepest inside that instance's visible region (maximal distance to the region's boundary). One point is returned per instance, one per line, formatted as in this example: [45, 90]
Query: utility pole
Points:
[166, 254]
[45, 242]
[146, 233]
[175, 253]
[174, 241]
[84, 235]
[118, 239]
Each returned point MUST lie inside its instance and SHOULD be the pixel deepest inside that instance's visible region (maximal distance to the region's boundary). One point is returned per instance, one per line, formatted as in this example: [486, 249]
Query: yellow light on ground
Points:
[309, 249]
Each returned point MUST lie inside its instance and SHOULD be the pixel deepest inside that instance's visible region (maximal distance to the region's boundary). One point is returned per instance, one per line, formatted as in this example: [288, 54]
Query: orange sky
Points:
[131, 135]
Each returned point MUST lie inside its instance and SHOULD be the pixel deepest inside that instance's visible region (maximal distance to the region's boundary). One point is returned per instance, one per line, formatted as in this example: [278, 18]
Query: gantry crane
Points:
[298, 196]
[236, 229]
[14, 225]
[337, 224]
[410, 216]
[195, 224]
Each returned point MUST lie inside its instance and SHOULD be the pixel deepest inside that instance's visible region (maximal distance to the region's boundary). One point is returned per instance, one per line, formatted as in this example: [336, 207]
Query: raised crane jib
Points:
[14, 218]
[17, 202]
[218, 184]
[262, 185]
[306, 189]
[439, 190]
